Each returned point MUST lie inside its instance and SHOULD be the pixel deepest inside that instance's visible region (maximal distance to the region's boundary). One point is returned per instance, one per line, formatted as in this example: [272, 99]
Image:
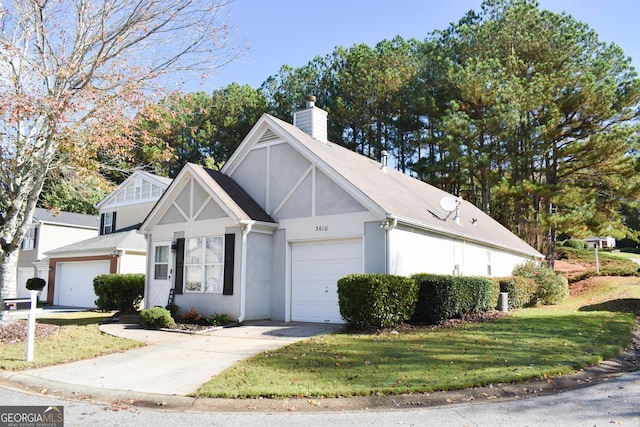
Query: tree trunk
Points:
[8, 271]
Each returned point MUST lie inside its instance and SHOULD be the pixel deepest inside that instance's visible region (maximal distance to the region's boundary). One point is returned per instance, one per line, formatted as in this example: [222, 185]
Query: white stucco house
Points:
[116, 247]
[269, 235]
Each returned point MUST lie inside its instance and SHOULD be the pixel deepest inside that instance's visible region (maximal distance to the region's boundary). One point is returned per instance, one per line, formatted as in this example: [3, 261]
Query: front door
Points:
[161, 274]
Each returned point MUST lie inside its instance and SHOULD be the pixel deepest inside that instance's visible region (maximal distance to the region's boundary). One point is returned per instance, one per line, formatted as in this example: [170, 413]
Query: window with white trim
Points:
[28, 243]
[204, 264]
[108, 223]
[161, 263]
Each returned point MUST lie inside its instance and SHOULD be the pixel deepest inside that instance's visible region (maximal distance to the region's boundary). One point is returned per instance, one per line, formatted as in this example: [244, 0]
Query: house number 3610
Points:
[322, 228]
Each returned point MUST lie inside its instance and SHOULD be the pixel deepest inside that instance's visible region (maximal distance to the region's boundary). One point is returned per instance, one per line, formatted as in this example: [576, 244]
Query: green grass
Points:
[627, 255]
[79, 339]
[529, 343]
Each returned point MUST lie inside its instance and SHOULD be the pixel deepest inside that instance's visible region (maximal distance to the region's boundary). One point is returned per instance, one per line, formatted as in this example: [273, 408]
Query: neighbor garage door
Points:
[316, 268]
[74, 282]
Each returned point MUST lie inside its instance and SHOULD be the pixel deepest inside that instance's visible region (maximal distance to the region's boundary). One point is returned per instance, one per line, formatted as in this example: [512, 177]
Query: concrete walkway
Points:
[171, 363]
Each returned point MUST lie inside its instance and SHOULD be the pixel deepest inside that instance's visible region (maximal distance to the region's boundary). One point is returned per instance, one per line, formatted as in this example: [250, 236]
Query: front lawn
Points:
[78, 338]
[530, 343]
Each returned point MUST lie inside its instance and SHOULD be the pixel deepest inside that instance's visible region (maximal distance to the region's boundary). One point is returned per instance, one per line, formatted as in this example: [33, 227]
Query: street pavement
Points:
[152, 384]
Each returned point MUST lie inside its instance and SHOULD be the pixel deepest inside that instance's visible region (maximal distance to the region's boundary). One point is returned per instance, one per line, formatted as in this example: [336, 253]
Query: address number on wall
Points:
[322, 228]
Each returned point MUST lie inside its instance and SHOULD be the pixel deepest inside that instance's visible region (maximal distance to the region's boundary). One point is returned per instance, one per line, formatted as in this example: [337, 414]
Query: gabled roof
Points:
[71, 219]
[237, 204]
[249, 206]
[126, 240]
[112, 198]
[403, 198]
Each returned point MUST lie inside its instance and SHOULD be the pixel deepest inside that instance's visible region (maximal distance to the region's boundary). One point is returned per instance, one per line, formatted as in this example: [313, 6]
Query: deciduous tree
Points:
[67, 65]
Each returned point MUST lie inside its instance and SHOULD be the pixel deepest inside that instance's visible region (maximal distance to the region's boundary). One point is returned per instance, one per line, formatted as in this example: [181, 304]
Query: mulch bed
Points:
[16, 331]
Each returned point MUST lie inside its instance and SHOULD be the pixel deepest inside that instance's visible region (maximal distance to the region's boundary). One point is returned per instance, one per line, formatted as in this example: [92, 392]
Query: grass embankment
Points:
[78, 339]
[529, 343]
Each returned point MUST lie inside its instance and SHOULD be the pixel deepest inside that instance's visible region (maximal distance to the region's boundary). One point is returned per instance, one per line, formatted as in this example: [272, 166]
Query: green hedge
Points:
[576, 244]
[157, 317]
[443, 297]
[552, 288]
[122, 292]
[374, 301]
[521, 291]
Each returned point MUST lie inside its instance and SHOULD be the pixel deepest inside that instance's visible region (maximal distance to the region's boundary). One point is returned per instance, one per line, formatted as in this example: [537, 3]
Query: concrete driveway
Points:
[171, 363]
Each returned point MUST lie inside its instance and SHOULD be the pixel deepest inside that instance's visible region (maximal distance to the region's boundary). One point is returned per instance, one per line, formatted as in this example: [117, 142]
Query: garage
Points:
[315, 270]
[74, 282]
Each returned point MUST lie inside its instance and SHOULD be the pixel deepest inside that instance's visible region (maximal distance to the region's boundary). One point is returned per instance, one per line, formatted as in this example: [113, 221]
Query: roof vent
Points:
[383, 159]
[312, 120]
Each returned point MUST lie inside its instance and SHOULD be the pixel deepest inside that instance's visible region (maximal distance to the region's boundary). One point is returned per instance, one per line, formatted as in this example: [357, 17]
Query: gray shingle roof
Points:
[126, 240]
[405, 198]
[66, 218]
[242, 199]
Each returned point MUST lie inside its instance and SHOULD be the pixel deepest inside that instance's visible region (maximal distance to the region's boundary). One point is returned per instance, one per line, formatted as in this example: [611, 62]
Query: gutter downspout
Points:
[246, 229]
[388, 225]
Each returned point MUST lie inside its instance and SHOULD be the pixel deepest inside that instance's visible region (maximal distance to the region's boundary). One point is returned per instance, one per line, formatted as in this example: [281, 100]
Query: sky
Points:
[293, 32]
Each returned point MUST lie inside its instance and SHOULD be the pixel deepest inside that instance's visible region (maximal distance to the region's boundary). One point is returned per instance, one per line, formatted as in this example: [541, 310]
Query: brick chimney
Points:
[312, 120]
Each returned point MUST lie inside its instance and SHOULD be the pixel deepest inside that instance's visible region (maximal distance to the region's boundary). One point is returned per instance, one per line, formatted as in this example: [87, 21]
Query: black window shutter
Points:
[101, 224]
[113, 222]
[179, 274]
[229, 255]
[35, 238]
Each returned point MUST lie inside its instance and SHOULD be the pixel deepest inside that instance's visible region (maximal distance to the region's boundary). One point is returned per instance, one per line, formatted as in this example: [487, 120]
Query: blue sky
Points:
[293, 32]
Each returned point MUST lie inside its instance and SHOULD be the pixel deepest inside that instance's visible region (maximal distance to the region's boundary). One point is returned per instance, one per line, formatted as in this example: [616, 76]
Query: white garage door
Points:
[316, 268]
[74, 282]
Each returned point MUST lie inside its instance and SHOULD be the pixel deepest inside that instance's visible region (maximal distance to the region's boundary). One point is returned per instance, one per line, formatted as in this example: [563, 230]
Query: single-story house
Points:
[118, 248]
[602, 242]
[269, 235]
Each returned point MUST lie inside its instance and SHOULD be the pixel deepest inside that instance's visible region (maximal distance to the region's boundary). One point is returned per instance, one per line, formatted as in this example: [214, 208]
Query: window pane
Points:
[161, 272]
[214, 278]
[214, 250]
[162, 254]
[193, 279]
[193, 251]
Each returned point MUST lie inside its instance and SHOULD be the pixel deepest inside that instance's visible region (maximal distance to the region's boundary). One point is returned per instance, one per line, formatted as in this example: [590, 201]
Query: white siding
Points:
[133, 264]
[412, 252]
[53, 236]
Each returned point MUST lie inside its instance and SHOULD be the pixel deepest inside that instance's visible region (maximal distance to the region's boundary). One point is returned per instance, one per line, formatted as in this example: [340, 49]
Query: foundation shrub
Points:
[521, 290]
[122, 292]
[376, 301]
[442, 297]
[157, 317]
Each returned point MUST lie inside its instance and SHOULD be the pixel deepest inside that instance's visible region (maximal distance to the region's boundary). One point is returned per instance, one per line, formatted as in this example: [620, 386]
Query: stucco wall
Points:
[259, 262]
[374, 248]
[278, 275]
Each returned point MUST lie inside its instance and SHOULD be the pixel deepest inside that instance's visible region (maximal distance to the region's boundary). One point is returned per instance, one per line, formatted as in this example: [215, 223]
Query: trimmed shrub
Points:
[121, 292]
[521, 291]
[374, 301]
[157, 317]
[442, 297]
[35, 284]
[552, 288]
[576, 244]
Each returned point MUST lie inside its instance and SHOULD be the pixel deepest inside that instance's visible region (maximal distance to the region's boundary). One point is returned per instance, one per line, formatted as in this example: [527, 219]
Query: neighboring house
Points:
[118, 248]
[49, 230]
[602, 242]
[290, 213]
